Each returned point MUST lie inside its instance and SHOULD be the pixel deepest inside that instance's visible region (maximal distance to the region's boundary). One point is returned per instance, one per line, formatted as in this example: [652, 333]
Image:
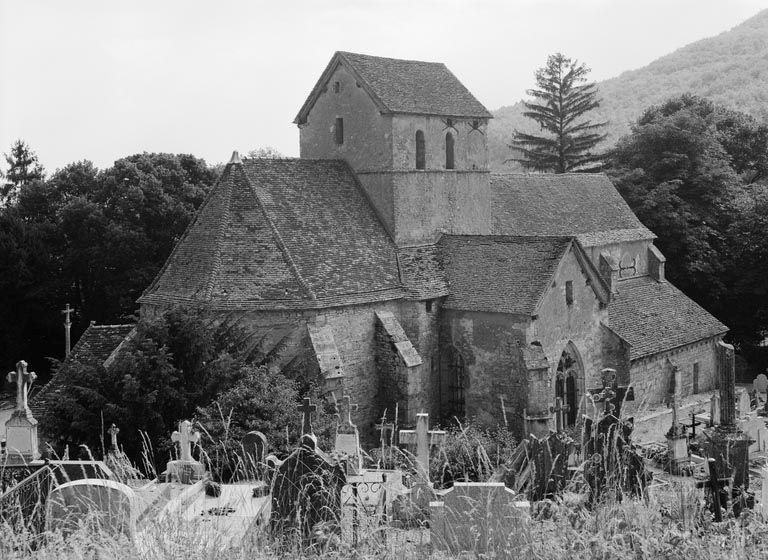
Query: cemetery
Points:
[710, 469]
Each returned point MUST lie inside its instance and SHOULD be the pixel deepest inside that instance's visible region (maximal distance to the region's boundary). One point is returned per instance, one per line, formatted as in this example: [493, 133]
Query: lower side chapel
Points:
[388, 260]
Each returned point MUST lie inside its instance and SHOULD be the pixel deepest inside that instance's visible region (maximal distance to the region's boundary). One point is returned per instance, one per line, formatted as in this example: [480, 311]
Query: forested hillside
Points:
[730, 69]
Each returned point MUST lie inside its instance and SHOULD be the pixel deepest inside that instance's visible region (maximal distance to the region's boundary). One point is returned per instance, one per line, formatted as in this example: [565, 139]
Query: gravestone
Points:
[754, 427]
[760, 384]
[255, 454]
[306, 490]
[186, 469]
[21, 444]
[477, 517]
[347, 445]
[714, 410]
[764, 493]
[420, 442]
[109, 505]
[744, 406]
[549, 460]
[677, 441]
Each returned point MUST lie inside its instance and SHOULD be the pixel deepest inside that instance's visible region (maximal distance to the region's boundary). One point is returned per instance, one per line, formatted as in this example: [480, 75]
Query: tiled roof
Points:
[584, 205]
[421, 271]
[499, 273]
[282, 233]
[94, 347]
[655, 316]
[404, 86]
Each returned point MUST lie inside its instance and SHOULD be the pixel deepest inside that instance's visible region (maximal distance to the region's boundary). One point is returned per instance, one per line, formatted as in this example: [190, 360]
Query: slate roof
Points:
[655, 316]
[282, 234]
[421, 271]
[94, 347]
[403, 86]
[585, 205]
[499, 274]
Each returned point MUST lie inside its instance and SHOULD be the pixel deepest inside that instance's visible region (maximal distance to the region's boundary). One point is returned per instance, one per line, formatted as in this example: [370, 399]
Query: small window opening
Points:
[449, 151]
[695, 377]
[428, 306]
[336, 87]
[421, 157]
[338, 130]
[449, 122]
[569, 292]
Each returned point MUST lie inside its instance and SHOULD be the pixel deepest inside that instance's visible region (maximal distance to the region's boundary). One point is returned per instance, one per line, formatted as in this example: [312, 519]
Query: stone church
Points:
[389, 261]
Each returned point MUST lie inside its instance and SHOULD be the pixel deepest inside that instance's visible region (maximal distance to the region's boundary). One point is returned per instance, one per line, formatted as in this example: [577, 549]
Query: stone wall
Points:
[367, 133]
[559, 325]
[470, 145]
[650, 375]
[631, 256]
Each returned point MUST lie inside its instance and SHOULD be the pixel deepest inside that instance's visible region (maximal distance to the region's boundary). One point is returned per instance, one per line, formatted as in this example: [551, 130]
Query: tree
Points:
[266, 152]
[23, 168]
[562, 99]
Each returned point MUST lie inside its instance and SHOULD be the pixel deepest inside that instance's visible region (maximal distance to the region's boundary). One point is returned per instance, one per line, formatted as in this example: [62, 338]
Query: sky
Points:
[101, 80]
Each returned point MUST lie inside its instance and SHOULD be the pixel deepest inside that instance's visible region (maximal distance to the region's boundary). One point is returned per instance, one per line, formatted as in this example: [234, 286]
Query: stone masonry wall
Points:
[650, 375]
[470, 145]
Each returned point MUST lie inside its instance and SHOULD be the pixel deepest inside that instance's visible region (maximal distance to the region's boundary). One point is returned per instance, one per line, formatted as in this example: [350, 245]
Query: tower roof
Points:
[403, 86]
[281, 233]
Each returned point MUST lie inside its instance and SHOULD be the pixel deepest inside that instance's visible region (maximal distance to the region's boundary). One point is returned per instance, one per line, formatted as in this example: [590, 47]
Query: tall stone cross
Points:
[113, 431]
[185, 437]
[423, 438]
[559, 410]
[346, 418]
[306, 408]
[23, 380]
[611, 394]
[67, 328]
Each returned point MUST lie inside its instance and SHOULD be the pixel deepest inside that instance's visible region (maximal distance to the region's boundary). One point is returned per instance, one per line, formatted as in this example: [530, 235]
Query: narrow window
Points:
[449, 151]
[695, 377]
[569, 292]
[421, 158]
[336, 87]
[428, 306]
[339, 131]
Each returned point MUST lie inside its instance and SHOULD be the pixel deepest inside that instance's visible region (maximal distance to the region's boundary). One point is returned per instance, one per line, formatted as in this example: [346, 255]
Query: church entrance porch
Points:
[569, 382]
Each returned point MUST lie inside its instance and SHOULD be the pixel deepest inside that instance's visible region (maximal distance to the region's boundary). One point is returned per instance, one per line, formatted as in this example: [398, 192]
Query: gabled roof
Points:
[655, 316]
[281, 233]
[507, 274]
[585, 205]
[402, 86]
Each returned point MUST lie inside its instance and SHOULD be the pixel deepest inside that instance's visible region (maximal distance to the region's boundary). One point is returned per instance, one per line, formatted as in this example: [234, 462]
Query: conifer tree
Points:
[561, 98]
[23, 168]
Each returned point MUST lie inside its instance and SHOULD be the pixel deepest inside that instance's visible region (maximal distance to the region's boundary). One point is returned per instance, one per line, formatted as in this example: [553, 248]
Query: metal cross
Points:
[346, 403]
[559, 410]
[113, 431]
[611, 394]
[185, 437]
[306, 408]
[67, 328]
[23, 380]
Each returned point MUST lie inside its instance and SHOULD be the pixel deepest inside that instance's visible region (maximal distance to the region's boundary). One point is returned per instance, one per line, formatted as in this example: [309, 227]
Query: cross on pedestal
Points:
[185, 437]
[350, 408]
[67, 328]
[23, 380]
[559, 410]
[306, 408]
[113, 431]
[423, 438]
[611, 394]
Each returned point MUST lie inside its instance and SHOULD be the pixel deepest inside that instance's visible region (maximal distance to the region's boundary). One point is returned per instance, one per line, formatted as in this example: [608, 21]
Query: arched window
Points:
[421, 156]
[449, 151]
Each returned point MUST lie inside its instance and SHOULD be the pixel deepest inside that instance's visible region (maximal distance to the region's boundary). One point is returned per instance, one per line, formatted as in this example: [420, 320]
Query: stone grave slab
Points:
[255, 453]
[755, 428]
[760, 384]
[110, 505]
[479, 517]
[743, 405]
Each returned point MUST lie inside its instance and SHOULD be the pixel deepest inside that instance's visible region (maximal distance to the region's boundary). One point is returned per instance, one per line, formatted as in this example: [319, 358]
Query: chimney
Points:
[235, 158]
[609, 270]
[656, 263]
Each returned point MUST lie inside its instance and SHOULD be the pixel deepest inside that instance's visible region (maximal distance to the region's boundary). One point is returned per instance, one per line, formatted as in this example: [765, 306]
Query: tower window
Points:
[569, 292]
[421, 156]
[449, 151]
[338, 131]
[336, 87]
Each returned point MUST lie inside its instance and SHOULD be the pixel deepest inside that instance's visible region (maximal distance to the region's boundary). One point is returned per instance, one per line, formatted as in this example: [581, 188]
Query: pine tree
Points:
[562, 97]
[23, 168]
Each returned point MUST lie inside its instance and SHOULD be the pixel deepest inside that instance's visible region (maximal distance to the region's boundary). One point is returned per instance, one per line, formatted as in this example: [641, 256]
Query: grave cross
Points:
[185, 437]
[611, 394]
[306, 408]
[23, 380]
[113, 431]
[716, 486]
[385, 429]
[423, 438]
[693, 423]
[559, 410]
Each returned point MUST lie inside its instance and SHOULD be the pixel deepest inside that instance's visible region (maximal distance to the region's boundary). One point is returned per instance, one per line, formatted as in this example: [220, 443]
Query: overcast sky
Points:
[101, 80]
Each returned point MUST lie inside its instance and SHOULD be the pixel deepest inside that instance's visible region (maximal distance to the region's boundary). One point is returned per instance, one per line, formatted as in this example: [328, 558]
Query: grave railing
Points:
[23, 505]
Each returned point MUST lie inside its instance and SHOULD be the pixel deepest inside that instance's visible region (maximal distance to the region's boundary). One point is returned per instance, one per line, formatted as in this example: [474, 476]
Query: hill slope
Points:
[730, 68]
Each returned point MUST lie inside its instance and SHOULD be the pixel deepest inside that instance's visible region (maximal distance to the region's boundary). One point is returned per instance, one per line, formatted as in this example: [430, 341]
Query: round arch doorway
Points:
[569, 381]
